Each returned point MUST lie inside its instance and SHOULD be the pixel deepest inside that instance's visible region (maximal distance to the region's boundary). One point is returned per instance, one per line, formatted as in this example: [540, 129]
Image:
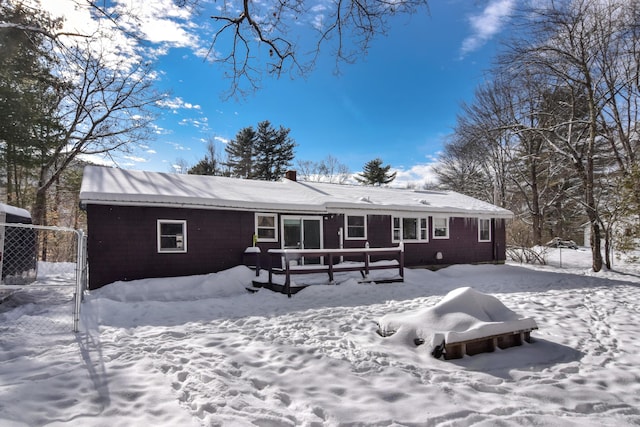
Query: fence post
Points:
[80, 260]
[401, 245]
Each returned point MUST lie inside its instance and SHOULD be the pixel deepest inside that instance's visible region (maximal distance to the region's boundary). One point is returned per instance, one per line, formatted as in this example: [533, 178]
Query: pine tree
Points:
[375, 174]
[240, 153]
[274, 152]
[29, 127]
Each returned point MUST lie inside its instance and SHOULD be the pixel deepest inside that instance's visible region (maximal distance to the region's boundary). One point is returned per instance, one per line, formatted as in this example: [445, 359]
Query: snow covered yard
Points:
[203, 351]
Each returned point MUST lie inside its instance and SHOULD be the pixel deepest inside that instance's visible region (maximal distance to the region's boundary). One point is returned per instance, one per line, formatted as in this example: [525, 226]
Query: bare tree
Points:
[460, 168]
[94, 99]
[577, 48]
[105, 108]
[328, 169]
[537, 176]
[481, 124]
[497, 154]
[212, 164]
[180, 166]
[252, 38]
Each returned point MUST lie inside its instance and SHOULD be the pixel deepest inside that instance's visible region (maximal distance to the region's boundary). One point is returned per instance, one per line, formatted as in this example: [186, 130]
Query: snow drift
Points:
[463, 314]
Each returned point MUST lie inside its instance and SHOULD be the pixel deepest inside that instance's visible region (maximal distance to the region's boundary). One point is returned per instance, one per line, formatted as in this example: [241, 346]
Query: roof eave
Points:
[88, 198]
[188, 202]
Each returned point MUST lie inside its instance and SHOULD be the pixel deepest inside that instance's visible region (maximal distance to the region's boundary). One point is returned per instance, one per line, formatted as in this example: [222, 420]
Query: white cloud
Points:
[221, 139]
[160, 130]
[97, 159]
[120, 42]
[158, 21]
[178, 103]
[487, 24]
[179, 147]
[77, 16]
[318, 8]
[202, 124]
[417, 176]
[136, 159]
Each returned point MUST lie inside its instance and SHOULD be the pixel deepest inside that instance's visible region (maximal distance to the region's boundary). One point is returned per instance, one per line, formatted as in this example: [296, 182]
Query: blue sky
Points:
[398, 102]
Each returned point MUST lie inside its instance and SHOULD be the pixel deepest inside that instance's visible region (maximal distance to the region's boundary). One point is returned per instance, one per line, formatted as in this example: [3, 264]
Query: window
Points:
[266, 227]
[424, 234]
[397, 229]
[409, 229]
[172, 236]
[356, 226]
[484, 230]
[440, 228]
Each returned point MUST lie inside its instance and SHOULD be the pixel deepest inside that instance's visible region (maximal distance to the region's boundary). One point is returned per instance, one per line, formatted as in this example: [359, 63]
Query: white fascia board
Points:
[349, 208]
[255, 206]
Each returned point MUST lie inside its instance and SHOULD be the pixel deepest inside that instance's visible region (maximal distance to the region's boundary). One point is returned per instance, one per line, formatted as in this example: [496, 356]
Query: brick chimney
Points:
[291, 175]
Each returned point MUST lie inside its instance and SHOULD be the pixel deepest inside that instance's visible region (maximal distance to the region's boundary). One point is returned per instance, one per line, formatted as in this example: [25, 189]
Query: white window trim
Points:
[346, 228]
[275, 227]
[183, 222]
[433, 226]
[299, 217]
[419, 240]
[479, 229]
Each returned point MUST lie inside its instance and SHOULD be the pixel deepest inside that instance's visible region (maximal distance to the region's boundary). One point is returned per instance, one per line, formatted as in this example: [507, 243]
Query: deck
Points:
[291, 262]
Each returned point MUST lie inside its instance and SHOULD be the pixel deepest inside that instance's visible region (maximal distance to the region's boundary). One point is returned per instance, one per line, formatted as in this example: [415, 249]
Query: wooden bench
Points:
[486, 344]
[328, 262]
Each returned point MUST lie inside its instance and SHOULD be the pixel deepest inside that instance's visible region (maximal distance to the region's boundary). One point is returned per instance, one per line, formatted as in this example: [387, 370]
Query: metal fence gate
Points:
[43, 277]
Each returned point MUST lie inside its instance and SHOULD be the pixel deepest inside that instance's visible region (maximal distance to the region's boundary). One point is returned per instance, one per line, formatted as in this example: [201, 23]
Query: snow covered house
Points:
[150, 224]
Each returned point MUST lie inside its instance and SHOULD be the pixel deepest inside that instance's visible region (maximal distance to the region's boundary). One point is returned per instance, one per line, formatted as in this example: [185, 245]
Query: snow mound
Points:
[463, 314]
[226, 283]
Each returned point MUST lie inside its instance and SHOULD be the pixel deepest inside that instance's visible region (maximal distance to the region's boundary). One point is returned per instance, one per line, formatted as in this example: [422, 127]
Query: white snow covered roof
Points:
[111, 186]
[12, 210]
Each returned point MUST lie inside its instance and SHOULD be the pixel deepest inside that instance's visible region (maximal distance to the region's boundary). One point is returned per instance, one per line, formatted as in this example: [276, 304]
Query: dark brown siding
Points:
[379, 231]
[461, 247]
[331, 226]
[122, 242]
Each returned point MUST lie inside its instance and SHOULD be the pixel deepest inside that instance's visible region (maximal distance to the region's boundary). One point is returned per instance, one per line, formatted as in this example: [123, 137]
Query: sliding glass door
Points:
[302, 233]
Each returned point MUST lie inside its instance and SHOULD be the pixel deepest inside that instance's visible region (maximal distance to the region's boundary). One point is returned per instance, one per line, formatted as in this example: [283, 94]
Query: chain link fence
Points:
[43, 277]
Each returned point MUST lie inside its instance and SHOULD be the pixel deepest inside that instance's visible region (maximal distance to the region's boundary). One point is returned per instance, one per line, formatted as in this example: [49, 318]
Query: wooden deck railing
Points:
[329, 258]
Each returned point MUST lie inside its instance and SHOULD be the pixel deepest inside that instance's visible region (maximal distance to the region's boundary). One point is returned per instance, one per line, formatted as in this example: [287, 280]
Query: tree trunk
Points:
[535, 207]
[39, 210]
[596, 253]
[607, 248]
[38, 217]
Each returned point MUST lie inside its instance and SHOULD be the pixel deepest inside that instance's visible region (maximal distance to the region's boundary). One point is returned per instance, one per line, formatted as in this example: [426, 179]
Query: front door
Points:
[302, 233]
